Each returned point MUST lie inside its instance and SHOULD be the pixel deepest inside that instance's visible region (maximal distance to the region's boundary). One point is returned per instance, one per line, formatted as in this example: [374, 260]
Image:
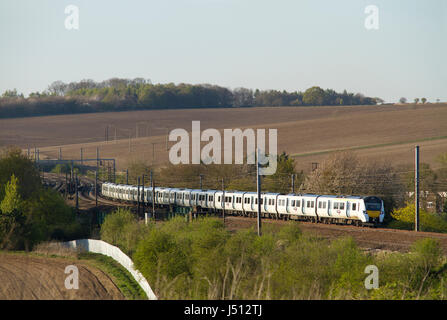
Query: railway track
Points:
[378, 238]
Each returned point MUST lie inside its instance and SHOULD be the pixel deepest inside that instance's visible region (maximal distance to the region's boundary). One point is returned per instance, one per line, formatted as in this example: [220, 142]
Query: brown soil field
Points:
[25, 277]
[310, 134]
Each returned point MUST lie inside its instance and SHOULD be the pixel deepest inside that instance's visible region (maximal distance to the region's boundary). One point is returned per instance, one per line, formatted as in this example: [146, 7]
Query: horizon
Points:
[231, 45]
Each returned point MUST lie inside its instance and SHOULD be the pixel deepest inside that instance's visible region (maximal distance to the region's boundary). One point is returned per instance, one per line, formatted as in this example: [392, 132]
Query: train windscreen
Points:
[373, 204]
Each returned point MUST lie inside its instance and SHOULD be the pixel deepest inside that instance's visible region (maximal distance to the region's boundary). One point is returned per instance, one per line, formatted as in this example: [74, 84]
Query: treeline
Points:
[140, 94]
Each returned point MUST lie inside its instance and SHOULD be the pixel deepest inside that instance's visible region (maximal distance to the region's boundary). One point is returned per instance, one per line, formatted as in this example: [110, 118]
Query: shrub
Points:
[404, 219]
[120, 228]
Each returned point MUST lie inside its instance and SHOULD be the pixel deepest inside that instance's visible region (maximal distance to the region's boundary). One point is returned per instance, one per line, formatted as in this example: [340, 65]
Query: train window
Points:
[335, 205]
[320, 204]
[298, 203]
[342, 206]
[312, 204]
[324, 205]
[308, 204]
[293, 203]
[354, 206]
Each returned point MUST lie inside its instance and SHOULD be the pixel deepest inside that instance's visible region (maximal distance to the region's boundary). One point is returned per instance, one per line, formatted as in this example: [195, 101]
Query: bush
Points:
[404, 219]
[120, 228]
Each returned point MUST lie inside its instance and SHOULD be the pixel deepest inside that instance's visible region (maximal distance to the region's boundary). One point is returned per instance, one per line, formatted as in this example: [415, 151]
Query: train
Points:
[354, 210]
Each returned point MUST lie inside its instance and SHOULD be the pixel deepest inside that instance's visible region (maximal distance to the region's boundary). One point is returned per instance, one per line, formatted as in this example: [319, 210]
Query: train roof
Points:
[310, 195]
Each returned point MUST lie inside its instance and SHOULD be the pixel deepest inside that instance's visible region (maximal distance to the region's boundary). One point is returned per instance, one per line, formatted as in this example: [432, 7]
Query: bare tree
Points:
[343, 173]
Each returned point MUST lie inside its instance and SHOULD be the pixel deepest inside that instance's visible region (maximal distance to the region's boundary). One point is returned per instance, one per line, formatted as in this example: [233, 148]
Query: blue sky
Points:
[282, 44]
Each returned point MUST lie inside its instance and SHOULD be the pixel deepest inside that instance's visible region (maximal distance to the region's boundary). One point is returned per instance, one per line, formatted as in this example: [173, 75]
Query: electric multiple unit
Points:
[324, 208]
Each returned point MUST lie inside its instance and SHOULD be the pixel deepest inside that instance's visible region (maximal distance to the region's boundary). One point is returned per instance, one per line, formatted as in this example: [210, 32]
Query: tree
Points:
[12, 94]
[281, 180]
[12, 200]
[344, 174]
[314, 96]
[30, 213]
[13, 162]
[57, 88]
[416, 100]
[403, 100]
[243, 97]
[424, 100]
[442, 172]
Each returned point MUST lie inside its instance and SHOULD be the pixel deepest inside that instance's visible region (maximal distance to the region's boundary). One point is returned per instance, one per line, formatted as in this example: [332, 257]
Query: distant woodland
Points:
[140, 94]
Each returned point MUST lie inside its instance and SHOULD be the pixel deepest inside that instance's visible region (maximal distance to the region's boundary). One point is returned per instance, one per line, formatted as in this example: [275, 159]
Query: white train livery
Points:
[317, 208]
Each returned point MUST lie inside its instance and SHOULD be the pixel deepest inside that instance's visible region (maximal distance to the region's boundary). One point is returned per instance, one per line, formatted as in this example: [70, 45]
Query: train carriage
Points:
[308, 205]
[283, 204]
[211, 194]
[340, 209]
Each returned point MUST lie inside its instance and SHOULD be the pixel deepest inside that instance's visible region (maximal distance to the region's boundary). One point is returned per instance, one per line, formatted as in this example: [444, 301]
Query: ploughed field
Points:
[309, 134]
[26, 277]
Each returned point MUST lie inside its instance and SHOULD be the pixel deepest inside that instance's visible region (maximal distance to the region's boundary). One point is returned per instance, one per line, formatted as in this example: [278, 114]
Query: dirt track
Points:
[27, 277]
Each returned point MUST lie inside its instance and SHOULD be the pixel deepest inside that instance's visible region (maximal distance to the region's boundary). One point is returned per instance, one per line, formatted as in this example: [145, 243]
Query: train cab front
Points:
[374, 209]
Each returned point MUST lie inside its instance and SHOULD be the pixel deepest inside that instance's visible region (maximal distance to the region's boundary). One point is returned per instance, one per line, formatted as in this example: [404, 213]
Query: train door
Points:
[329, 208]
[348, 209]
